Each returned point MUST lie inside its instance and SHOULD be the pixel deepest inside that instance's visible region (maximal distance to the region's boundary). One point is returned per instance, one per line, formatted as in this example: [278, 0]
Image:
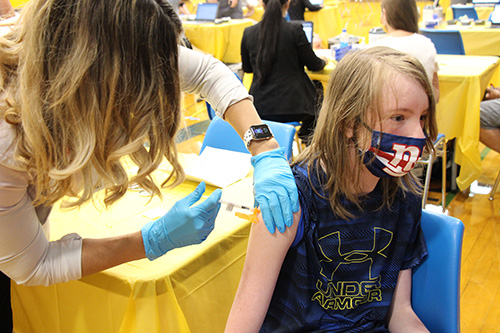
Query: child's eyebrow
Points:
[406, 110]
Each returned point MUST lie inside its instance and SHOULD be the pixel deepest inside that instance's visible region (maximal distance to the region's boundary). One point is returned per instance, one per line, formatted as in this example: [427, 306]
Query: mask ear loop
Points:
[353, 138]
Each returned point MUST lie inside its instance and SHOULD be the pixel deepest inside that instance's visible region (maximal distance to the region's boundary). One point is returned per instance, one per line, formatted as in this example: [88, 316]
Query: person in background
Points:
[183, 9]
[69, 114]
[229, 8]
[489, 133]
[276, 51]
[400, 20]
[346, 263]
[250, 5]
[298, 7]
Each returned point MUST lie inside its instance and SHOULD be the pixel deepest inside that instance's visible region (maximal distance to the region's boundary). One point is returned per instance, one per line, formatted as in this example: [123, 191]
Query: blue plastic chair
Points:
[445, 41]
[436, 282]
[470, 11]
[221, 135]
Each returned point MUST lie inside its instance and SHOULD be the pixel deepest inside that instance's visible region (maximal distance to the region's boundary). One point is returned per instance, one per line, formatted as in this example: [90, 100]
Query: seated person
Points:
[298, 7]
[229, 8]
[183, 9]
[346, 263]
[400, 20]
[489, 134]
[276, 51]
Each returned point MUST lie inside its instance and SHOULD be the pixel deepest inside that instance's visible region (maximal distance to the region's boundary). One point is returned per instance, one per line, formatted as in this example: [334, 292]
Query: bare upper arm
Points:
[401, 317]
[265, 255]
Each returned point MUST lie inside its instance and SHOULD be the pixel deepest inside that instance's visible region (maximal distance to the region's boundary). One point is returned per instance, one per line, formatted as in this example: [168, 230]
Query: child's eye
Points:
[398, 118]
[423, 117]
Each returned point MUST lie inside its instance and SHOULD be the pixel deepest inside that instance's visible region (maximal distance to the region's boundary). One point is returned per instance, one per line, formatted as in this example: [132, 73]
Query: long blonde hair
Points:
[355, 90]
[87, 83]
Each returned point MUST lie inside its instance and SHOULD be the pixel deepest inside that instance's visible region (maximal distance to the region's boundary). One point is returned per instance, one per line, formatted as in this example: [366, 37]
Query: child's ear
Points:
[348, 130]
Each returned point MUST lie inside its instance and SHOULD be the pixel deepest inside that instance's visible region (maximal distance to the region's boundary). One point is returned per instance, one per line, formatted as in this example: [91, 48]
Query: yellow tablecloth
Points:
[223, 41]
[327, 22]
[189, 289]
[17, 3]
[479, 40]
[462, 81]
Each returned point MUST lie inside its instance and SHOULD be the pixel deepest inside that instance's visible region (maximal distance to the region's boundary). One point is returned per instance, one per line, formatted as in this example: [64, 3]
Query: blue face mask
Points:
[392, 155]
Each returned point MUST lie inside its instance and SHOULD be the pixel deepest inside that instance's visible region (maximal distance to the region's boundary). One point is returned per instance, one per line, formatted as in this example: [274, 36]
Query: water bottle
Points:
[344, 39]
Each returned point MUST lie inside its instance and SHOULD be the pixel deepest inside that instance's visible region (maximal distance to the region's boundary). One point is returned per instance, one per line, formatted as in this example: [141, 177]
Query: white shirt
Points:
[416, 45]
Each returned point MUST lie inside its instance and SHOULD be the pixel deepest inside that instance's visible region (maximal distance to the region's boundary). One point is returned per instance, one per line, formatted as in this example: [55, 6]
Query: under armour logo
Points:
[332, 249]
[357, 283]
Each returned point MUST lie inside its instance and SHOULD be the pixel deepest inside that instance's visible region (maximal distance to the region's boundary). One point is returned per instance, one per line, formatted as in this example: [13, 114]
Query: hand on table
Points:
[182, 225]
[275, 189]
[492, 93]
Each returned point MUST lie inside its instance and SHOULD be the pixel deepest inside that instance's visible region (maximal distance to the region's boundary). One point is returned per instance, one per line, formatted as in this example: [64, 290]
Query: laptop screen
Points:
[307, 26]
[207, 11]
[495, 15]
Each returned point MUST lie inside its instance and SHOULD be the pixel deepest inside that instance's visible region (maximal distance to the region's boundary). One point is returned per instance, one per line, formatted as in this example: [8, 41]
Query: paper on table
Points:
[218, 167]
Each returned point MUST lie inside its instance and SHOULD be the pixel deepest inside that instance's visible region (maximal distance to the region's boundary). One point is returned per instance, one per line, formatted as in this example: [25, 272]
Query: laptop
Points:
[206, 12]
[307, 26]
[316, 2]
[495, 17]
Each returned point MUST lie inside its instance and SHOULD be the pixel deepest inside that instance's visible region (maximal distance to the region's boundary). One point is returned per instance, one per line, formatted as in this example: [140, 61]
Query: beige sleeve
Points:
[26, 256]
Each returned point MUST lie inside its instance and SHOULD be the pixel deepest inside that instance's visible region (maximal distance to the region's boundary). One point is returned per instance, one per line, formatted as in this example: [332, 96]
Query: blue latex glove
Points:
[183, 225]
[275, 189]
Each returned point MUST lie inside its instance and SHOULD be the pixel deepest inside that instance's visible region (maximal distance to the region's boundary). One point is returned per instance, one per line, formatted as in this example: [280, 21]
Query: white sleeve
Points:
[214, 81]
[26, 256]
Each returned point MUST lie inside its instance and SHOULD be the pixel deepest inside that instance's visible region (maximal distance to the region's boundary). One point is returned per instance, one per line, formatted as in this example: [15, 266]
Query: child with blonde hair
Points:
[346, 262]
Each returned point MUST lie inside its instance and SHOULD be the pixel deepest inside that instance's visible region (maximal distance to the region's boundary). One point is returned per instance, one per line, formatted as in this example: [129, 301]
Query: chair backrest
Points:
[470, 11]
[445, 41]
[436, 282]
[221, 135]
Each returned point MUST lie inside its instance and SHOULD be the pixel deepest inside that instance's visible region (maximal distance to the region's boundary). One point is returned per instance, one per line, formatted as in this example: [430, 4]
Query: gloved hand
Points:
[183, 225]
[275, 189]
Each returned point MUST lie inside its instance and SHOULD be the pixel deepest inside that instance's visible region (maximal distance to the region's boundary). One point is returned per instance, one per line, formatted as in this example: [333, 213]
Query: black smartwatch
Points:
[257, 133]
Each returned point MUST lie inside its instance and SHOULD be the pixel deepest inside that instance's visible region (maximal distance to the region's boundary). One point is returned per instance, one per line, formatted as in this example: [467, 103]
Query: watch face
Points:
[261, 131]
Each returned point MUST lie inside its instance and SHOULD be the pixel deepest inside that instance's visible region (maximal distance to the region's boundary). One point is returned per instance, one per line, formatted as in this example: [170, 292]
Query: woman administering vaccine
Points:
[85, 83]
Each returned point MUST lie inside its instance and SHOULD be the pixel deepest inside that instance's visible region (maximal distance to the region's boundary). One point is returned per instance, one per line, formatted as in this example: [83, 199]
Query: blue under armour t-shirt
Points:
[340, 275]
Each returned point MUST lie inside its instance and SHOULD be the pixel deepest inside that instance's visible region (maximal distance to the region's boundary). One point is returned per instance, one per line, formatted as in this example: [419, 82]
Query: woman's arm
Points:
[265, 255]
[214, 81]
[28, 258]
[401, 317]
[275, 187]
[312, 8]
[246, 65]
[306, 53]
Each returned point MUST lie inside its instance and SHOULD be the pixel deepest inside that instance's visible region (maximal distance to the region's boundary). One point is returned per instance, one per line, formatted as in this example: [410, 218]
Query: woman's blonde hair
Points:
[353, 102]
[87, 83]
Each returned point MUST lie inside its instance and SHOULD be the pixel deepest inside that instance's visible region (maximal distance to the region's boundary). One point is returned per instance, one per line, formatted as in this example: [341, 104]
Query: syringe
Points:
[251, 217]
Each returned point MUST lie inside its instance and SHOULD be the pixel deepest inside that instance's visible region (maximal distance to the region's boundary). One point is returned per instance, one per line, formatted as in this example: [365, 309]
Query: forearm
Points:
[104, 253]
[241, 116]
[401, 317]
[405, 320]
